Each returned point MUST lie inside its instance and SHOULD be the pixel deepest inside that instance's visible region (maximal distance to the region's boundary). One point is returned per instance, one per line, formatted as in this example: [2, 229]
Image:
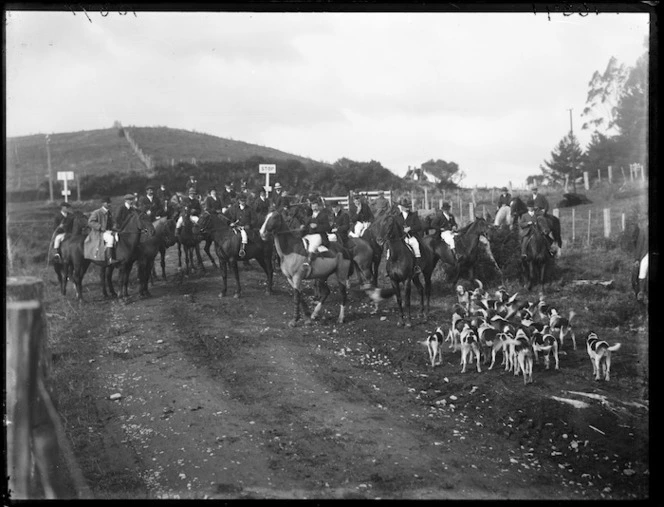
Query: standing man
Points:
[540, 201]
[101, 225]
[150, 204]
[340, 224]
[243, 217]
[362, 217]
[62, 224]
[261, 205]
[314, 228]
[412, 227]
[380, 204]
[212, 203]
[276, 194]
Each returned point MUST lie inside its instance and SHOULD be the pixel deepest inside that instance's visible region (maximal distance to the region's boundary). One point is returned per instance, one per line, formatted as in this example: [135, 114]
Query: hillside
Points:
[104, 151]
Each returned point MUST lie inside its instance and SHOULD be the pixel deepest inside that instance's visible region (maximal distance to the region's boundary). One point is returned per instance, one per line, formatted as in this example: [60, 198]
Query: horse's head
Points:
[273, 222]
[386, 229]
[80, 223]
[517, 207]
[139, 223]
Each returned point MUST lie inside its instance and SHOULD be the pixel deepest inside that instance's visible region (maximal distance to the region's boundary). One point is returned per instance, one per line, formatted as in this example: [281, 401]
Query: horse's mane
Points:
[475, 223]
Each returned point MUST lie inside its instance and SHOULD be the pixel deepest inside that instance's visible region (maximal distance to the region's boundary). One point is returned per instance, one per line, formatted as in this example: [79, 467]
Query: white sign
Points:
[66, 192]
[65, 175]
[267, 168]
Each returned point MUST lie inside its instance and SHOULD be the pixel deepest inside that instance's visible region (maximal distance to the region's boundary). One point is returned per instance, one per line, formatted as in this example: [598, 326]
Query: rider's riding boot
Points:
[310, 261]
[109, 254]
[642, 289]
[242, 252]
[57, 257]
[417, 269]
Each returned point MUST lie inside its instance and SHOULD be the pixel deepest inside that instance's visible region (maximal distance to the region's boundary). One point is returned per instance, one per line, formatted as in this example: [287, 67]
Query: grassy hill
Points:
[98, 152]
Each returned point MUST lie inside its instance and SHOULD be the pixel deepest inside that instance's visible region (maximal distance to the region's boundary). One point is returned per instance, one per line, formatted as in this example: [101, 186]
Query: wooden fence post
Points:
[610, 175]
[426, 199]
[440, 204]
[599, 175]
[573, 224]
[622, 170]
[492, 195]
[483, 211]
[471, 211]
[78, 188]
[589, 217]
[412, 200]
[586, 181]
[607, 222]
[622, 221]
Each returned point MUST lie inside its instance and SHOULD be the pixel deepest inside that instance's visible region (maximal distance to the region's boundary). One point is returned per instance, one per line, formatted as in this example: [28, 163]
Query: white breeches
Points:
[313, 241]
[58, 239]
[332, 237]
[109, 239]
[412, 241]
[359, 228]
[448, 237]
[243, 234]
[643, 268]
[180, 221]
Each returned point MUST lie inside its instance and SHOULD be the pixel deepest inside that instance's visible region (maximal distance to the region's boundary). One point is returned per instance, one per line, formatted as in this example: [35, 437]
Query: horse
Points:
[400, 267]
[440, 250]
[68, 247]
[468, 242]
[503, 217]
[293, 255]
[370, 235]
[227, 242]
[538, 257]
[137, 228]
[518, 208]
[164, 237]
[189, 240]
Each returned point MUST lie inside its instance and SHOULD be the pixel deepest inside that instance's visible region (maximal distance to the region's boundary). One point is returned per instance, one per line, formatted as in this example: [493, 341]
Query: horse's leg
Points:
[223, 265]
[197, 249]
[65, 276]
[305, 309]
[323, 293]
[408, 284]
[236, 273]
[296, 307]
[180, 246]
[397, 290]
[420, 289]
[208, 242]
[266, 263]
[162, 253]
[77, 277]
[344, 301]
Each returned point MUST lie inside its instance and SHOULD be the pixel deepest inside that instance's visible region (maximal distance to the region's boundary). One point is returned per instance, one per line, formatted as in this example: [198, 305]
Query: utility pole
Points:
[571, 139]
[50, 169]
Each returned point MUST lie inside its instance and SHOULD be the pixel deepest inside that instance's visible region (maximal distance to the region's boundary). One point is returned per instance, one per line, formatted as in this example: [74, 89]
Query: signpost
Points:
[267, 169]
[66, 176]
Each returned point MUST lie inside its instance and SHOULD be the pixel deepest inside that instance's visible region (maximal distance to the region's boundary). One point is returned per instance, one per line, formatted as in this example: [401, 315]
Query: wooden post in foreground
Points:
[607, 222]
[622, 222]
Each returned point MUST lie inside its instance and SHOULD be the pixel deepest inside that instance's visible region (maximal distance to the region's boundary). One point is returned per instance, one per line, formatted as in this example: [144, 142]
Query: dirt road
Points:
[221, 399]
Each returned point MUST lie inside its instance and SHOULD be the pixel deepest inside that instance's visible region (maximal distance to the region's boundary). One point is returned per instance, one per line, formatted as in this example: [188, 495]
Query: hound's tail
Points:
[614, 347]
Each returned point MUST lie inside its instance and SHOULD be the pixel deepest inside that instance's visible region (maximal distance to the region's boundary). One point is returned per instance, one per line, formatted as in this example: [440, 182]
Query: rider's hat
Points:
[404, 202]
[313, 198]
[129, 197]
[212, 188]
[504, 189]
[534, 189]
[446, 205]
[106, 200]
[64, 204]
[336, 204]
[530, 203]
[192, 190]
[277, 185]
[149, 186]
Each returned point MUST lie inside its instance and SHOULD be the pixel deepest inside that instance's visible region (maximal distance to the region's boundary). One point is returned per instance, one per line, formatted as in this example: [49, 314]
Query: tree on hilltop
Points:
[566, 158]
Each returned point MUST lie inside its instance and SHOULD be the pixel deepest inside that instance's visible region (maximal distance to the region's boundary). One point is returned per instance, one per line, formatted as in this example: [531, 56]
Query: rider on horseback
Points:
[150, 203]
[316, 226]
[504, 199]
[340, 224]
[362, 216]
[448, 226]
[243, 217]
[212, 203]
[192, 210]
[409, 221]
[527, 222]
[64, 224]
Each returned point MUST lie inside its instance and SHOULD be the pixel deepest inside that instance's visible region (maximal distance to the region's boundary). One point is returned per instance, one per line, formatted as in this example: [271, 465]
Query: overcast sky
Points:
[489, 91]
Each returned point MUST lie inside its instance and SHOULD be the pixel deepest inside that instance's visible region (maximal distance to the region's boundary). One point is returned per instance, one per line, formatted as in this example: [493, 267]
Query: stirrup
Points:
[57, 257]
[242, 253]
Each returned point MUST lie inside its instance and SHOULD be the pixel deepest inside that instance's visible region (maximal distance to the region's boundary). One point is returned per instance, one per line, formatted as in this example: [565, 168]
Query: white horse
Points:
[503, 216]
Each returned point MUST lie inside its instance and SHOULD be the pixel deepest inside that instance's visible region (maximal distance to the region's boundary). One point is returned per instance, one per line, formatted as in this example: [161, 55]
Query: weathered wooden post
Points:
[622, 170]
[586, 181]
[607, 222]
[610, 174]
[483, 211]
[440, 203]
[492, 195]
[622, 221]
[599, 176]
[471, 211]
[426, 199]
[412, 200]
[589, 217]
[78, 188]
[573, 224]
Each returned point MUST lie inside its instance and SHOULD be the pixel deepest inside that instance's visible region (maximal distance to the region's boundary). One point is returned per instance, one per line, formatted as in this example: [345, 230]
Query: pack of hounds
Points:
[482, 326]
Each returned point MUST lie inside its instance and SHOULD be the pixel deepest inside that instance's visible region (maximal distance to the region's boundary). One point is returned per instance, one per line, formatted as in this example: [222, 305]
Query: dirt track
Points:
[220, 398]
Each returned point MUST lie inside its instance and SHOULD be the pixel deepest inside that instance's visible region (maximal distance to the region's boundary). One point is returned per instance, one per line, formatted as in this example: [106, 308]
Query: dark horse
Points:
[227, 241]
[67, 268]
[400, 267]
[469, 241]
[518, 208]
[189, 240]
[538, 257]
[164, 237]
[137, 228]
[370, 235]
[293, 255]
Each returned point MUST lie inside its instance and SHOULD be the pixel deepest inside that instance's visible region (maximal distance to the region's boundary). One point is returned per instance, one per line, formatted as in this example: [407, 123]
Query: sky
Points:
[489, 91]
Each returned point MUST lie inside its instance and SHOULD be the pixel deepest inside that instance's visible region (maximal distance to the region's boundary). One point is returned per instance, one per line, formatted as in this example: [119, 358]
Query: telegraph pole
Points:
[50, 169]
[571, 139]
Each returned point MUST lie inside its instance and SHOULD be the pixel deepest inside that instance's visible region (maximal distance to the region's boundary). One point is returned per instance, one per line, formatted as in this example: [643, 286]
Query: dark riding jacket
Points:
[212, 205]
[155, 207]
[445, 223]
[245, 217]
[504, 200]
[321, 222]
[261, 207]
[526, 223]
[363, 214]
[412, 220]
[541, 203]
[341, 222]
[194, 206]
[228, 198]
[63, 223]
[121, 216]
[381, 206]
[101, 220]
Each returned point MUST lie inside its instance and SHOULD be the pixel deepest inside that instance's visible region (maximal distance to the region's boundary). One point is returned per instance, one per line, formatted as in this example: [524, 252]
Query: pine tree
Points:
[565, 161]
